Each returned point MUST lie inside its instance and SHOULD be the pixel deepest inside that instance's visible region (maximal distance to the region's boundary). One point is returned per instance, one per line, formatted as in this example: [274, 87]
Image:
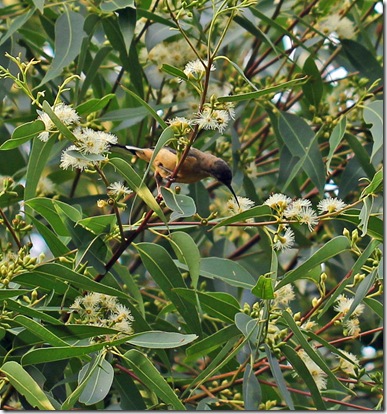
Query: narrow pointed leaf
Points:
[152, 379]
[68, 40]
[330, 249]
[165, 273]
[22, 134]
[24, 384]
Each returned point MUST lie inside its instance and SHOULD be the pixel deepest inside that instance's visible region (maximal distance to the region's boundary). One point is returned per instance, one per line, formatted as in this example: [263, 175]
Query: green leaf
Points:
[152, 379]
[375, 186]
[98, 383]
[364, 215]
[361, 291]
[37, 161]
[217, 304]
[257, 94]
[375, 224]
[361, 154]
[92, 71]
[127, 23]
[330, 249]
[12, 293]
[72, 399]
[58, 271]
[258, 211]
[303, 372]
[39, 330]
[68, 40]
[248, 326]
[228, 271]
[113, 5]
[94, 105]
[367, 252]
[264, 288]
[46, 207]
[16, 23]
[56, 246]
[187, 252]
[314, 87]
[278, 377]
[24, 384]
[33, 313]
[301, 142]
[312, 353]
[171, 70]
[42, 355]
[22, 134]
[362, 59]
[181, 205]
[160, 339]
[252, 393]
[165, 273]
[373, 114]
[130, 397]
[212, 342]
[376, 306]
[335, 139]
[149, 109]
[137, 185]
[99, 224]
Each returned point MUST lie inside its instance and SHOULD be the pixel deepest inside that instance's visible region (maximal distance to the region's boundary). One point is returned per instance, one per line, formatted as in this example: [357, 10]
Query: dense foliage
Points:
[118, 295]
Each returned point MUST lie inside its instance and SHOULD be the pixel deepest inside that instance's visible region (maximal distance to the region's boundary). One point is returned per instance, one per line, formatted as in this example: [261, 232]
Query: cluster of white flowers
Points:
[88, 141]
[103, 310]
[319, 376]
[118, 190]
[337, 24]
[352, 324]
[300, 210]
[175, 53]
[66, 114]
[244, 204]
[283, 296]
[211, 119]
[196, 69]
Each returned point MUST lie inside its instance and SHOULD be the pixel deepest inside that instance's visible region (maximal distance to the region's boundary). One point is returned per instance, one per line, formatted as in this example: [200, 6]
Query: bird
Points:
[196, 166]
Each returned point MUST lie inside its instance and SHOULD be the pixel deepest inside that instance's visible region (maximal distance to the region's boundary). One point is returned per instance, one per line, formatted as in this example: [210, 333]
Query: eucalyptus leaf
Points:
[22, 134]
[68, 40]
[22, 381]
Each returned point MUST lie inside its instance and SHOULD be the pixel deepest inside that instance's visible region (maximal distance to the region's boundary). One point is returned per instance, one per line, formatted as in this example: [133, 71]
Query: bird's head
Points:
[222, 172]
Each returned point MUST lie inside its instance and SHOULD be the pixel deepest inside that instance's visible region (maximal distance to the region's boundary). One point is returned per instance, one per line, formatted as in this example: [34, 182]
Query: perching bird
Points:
[196, 166]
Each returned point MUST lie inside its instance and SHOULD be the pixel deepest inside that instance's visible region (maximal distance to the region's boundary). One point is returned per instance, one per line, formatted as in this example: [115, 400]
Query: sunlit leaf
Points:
[22, 134]
[160, 339]
[22, 381]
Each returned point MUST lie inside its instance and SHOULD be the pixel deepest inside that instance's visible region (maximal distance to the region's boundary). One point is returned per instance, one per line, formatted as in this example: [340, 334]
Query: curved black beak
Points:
[233, 193]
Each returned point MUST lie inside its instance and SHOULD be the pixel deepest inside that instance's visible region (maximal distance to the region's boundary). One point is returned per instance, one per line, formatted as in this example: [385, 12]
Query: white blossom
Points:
[196, 68]
[66, 115]
[118, 189]
[330, 205]
[71, 161]
[308, 216]
[344, 304]
[278, 201]
[284, 241]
